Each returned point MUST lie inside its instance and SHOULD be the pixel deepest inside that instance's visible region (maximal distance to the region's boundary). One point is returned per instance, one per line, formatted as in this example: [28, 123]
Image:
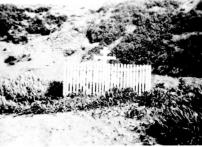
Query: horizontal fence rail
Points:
[98, 78]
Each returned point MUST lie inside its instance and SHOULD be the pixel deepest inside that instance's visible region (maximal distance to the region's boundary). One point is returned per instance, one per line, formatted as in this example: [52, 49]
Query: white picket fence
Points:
[97, 78]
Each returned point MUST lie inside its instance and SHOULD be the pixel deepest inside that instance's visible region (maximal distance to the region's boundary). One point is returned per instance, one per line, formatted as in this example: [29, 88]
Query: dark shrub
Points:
[199, 6]
[11, 60]
[174, 116]
[37, 26]
[55, 89]
[42, 9]
[105, 32]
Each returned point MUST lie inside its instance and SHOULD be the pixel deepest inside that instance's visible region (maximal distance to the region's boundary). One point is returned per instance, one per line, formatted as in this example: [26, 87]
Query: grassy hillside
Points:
[159, 32]
[16, 23]
[163, 33]
[38, 38]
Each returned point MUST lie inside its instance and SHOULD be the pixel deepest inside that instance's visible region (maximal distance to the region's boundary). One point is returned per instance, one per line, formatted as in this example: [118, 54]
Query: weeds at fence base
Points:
[72, 102]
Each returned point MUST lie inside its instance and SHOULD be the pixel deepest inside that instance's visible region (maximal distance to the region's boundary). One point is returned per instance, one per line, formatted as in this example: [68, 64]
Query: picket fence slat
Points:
[97, 78]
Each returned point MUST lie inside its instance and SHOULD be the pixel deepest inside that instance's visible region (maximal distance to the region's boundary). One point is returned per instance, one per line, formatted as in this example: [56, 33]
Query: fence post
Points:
[65, 90]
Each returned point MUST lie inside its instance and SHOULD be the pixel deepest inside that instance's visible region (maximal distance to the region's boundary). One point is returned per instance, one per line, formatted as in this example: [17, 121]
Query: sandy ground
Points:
[62, 129]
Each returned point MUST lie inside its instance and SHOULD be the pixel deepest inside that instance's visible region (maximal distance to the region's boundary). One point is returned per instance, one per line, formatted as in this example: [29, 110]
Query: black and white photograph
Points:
[100, 73]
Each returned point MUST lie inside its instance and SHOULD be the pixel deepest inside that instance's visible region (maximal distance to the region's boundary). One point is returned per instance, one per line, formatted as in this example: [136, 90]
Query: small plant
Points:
[23, 88]
[11, 60]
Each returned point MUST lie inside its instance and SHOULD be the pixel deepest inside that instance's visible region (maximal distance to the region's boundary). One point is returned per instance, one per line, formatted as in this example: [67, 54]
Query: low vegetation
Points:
[16, 23]
[165, 38]
[12, 60]
[169, 113]
[165, 114]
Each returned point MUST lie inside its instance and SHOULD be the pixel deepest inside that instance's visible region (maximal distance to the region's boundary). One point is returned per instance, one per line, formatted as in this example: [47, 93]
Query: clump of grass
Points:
[25, 87]
[28, 93]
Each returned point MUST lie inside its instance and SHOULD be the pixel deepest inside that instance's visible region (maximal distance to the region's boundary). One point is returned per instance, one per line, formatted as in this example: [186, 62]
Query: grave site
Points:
[107, 72]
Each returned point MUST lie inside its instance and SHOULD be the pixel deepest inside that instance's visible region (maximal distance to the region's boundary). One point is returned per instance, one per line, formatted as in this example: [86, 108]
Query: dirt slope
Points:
[47, 53]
